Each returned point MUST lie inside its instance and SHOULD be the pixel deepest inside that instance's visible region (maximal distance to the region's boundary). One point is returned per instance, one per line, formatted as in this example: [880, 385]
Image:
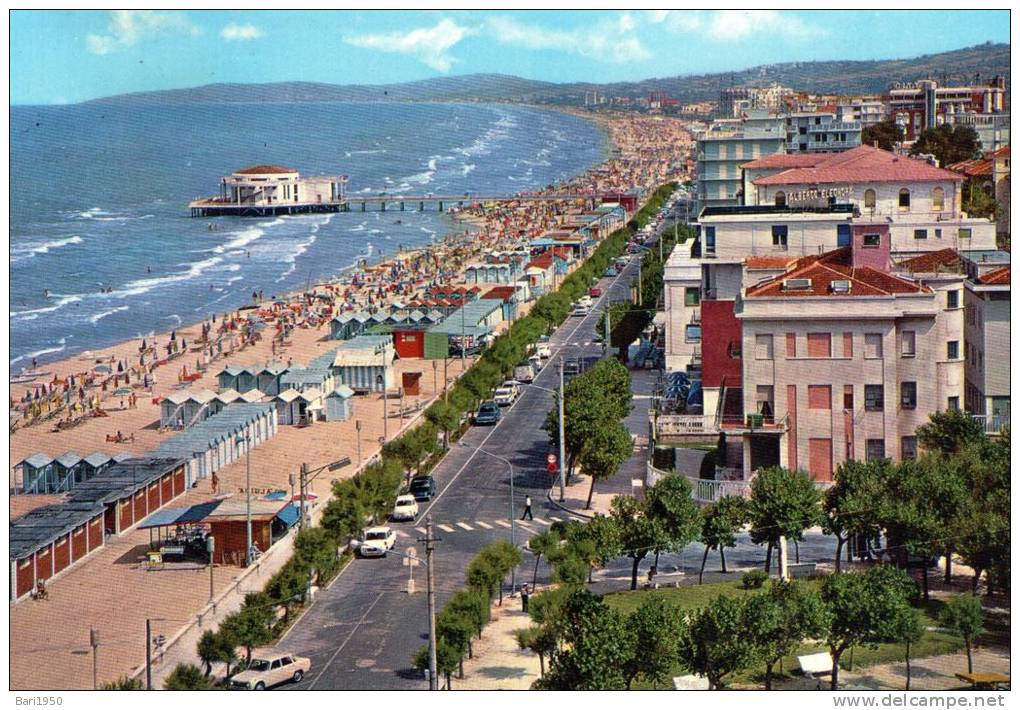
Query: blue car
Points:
[611, 272]
[488, 414]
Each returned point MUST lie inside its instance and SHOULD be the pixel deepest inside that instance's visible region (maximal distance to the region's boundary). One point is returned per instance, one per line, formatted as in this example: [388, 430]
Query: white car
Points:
[269, 669]
[543, 350]
[406, 508]
[376, 542]
[505, 395]
[584, 302]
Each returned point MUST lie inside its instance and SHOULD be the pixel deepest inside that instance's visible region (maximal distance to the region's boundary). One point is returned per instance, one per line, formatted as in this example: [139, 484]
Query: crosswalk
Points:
[460, 526]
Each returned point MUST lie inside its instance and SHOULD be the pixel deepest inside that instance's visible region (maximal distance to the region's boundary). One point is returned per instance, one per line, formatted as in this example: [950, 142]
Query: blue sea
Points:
[99, 198]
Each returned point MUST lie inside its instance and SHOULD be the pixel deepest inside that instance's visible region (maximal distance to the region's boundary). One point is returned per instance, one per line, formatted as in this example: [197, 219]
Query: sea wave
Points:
[34, 312]
[45, 351]
[27, 251]
[247, 236]
[99, 316]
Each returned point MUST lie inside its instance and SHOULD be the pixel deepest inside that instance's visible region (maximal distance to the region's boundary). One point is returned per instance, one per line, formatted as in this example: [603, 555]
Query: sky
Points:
[70, 56]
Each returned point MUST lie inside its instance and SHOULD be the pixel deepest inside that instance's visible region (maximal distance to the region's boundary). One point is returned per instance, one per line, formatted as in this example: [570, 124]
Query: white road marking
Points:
[401, 533]
[445, 528]
[543, 522]
[556, 518]
[423, 531]
[480, 524]
[465, 526]
[503, 523]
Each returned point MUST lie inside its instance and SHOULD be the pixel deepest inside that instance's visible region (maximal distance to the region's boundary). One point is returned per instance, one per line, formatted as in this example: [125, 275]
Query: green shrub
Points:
[755, 579]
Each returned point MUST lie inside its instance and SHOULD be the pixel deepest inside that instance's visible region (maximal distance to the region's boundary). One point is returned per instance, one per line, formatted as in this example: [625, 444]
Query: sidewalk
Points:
[498, 663]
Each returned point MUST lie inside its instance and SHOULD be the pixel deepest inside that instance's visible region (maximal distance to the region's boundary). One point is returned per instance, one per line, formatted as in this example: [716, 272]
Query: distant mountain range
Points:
[961, 66]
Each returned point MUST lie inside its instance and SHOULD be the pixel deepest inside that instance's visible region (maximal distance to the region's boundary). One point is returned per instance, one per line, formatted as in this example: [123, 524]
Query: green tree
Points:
[677, 517]
[447, 660]
[315, 552]
[638, 533]
[446, 417]
[216, 647]
[862, 609]
[603, 453]
[472, 605]
[719, 525]
[783, 503]
[596, 644]
[886, 134]
[123, 683]
[539, 545]
[908, 630]
[963, 615]
[597, 542]
[983, 526]
[947, 433]
[344, 515]
[779, 619]
[658, 628]
[849, 506]
[185, 676]
[716, 643]
[455, 631]
[540, 640]
[948, 143]
[252, 625]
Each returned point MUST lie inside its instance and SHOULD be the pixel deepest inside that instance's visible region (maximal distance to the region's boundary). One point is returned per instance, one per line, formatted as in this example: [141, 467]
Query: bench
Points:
[984, 681]
[802, 569]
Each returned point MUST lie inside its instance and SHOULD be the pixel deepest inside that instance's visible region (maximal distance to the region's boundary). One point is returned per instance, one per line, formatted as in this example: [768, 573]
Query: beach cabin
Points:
[298, 408]
[306, 378]
[365, 364]
[95, 463]
[213, 442]
[341, 327]
[508, 295]
[339, 405]
[267, 379]
[180, 410]
[237, 377]
[37, 474]
[495, 270]
[67, 470]
[223, 399]
[541, 273]
[473, 321]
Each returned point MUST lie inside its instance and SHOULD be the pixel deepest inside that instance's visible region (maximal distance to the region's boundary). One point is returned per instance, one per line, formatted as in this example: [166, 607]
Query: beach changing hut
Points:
[67, 470]
[94, 463]
[473, 321]
[37, 474]
[213, 442]
[180, 410]
[237, 377]
[365, 364]
[341, 327]
[339, 406]
[315, 376]
[298, 407]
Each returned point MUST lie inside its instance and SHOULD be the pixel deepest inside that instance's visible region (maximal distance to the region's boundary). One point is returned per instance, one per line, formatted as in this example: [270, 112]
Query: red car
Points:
[594, 292]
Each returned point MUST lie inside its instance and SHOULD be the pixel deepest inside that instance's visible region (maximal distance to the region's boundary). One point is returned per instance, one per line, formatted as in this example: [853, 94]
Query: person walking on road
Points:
[527, 509]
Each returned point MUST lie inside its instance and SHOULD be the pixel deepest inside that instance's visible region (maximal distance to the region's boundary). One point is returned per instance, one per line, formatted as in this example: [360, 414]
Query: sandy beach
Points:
[110, 591]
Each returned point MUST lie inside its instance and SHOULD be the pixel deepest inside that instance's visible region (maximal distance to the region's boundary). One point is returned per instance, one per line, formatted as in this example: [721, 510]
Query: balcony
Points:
[705, 491]
[992, 423]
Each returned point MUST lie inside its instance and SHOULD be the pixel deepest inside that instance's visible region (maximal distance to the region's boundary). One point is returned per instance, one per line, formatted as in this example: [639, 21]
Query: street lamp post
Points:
[563, 447]
[513, 517]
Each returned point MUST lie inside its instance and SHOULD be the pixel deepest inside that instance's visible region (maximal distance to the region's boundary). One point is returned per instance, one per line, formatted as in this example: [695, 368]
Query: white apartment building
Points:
[842, 361]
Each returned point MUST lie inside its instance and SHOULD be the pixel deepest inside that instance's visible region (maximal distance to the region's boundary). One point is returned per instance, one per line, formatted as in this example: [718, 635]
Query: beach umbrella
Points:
[122, 392]
[120, 366]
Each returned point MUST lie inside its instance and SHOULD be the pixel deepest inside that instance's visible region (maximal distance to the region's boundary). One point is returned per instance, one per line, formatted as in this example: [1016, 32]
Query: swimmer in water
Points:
[46, 293]
[148, 270]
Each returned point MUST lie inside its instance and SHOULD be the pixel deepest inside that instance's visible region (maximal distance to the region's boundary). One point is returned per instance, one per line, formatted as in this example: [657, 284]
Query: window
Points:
[874, 449]
[908, 448]
[908, 395]
[869, 199]
[780, 199]
[908, 343]
[791, 345]
[938, 199]
[848, 345]
[819, 397]
[762, 347]
[763, 399]
[710, 240]
[692, 296]
[953, 298]
[953, 403]
[953, 350]
[779, 235]
[920, 234]
[872, 346]
[692, 334]
[874, 398]
[819, 345]
[871, 240]
[904, 202]
[965, 232]
[842, 235]
[848, 398]
[938, 233]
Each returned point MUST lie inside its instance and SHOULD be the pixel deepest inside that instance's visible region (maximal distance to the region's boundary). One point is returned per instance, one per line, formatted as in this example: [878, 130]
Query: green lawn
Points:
[933, 643]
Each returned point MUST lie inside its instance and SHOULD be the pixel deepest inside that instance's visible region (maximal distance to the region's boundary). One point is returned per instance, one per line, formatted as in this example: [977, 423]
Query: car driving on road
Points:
[505, 394]
[269, 669]
[376, 542]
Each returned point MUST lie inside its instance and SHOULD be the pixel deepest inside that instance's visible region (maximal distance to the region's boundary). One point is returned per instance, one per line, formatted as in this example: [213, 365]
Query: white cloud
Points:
[128, 27]
[429, 45]
[733, 25]
[240, 33]
[606, 40]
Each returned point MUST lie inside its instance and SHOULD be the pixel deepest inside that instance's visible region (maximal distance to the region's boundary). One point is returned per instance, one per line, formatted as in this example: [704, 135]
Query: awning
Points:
[179, 516]
[289, 515]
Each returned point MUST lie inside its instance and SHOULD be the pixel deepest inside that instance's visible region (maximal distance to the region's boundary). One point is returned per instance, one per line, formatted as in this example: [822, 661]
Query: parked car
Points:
[524, 372]
[406, 508]
[595, 292]
[376, 542]
[580, 310]
[269, 669]
[543, 349]
[505, 395]
[585, 301]
[488, 414]
[571, 367]
[536, 363]
[611, 272]
[422, 487]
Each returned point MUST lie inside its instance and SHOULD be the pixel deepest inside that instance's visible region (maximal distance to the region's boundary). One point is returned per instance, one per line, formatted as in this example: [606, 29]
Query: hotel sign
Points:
[815, 193]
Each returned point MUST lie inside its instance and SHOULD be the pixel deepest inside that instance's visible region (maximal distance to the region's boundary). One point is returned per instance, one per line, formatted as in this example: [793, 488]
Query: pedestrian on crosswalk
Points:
[527, 509]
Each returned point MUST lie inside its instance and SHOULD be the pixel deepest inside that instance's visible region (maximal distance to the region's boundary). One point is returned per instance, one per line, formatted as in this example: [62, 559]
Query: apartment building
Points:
[724, 147]
[843, 360]
[987, 308]
[820, 131]
[925, 104]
